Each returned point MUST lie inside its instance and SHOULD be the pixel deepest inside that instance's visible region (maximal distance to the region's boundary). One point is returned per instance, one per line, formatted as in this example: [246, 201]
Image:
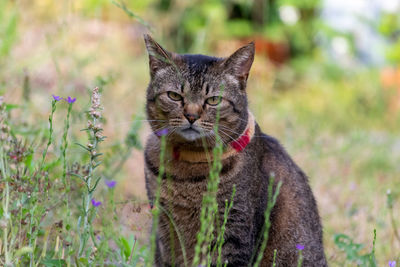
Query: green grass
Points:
[335, 123]
[80, 239]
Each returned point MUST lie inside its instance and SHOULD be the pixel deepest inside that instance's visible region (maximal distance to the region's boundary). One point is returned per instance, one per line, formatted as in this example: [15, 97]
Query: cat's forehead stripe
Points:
[205, 88]
[199, 63]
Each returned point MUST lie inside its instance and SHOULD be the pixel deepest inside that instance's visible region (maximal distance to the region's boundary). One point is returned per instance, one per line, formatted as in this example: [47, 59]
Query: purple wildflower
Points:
[96, 203]
[57, 98]
[162, 132]
[111, 183]
[300, 246]
[392, 263]
[70, 100]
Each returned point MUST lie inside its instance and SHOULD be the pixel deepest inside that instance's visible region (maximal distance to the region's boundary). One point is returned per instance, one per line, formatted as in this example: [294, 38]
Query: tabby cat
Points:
[182, 102]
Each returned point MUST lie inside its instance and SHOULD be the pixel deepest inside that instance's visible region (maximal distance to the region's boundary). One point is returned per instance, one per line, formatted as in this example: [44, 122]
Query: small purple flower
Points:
[57, 98]
[96, 203]
[70, 100]
[110, 183]
[392, 263]
[300, 246]
[162, 132]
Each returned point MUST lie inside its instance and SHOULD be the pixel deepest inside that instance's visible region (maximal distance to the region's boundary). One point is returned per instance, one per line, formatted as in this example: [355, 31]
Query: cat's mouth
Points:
[190, 129]
[190, 133]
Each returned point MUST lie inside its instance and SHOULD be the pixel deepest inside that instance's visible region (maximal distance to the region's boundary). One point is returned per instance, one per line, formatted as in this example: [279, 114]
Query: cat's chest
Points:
[182, 200]
[186, 183]
[182, 194]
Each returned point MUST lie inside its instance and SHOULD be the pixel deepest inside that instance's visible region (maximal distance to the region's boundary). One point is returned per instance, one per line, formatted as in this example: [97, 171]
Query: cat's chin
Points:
[189, 134]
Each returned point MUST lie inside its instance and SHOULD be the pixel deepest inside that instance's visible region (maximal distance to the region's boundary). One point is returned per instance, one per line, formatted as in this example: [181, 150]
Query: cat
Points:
[183, 98]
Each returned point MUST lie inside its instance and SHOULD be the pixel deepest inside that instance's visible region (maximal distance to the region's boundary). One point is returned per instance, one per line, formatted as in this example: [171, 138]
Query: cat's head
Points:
[186, 92]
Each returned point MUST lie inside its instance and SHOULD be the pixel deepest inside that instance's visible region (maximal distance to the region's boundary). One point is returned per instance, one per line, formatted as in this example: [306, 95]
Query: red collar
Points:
[238, 145]
[241, 143]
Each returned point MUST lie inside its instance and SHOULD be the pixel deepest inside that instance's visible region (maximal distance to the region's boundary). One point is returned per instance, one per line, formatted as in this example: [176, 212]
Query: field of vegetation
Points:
[73, 77]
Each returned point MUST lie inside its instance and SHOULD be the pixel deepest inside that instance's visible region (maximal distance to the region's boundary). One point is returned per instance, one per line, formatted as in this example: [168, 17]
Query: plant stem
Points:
[300, 259]
[209, 207]
[221, 239]
[85, 235]
[94, 133]
[156, 207]
[89, 195]
[274, 260]
[53, 109]
[267, 221]
[6, 215]
[390, 203]
[394, 225]
[65, 146]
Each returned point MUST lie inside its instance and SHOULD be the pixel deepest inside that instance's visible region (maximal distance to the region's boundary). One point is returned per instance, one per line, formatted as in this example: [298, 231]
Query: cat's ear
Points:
[239, 63]
[158, 57]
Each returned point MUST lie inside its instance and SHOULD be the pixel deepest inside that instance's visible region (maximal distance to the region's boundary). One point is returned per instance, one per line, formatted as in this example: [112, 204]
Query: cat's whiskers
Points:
[173, 130]
[206, 127]
[226, 134]
[213, 137]
[161, 128]
[175, 124]
[240, 119]
[206, 136]
[131, 121]
[210, 127]
[228, 129]
[178, 120]
[222, 140]
[222, 127]
[209, 124]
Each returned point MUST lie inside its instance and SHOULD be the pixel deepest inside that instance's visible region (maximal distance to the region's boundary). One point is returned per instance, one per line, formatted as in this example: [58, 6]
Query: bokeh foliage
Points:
[340, 122]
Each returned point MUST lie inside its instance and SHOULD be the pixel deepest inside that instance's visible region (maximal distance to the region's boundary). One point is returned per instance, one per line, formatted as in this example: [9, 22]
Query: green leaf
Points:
[23, 250]
[84, 261]
[125, 248]
[95, 184]
[30, 163]
[84, 147]
[79, 176]
[97, 164]
[11, 106]
[97, 155]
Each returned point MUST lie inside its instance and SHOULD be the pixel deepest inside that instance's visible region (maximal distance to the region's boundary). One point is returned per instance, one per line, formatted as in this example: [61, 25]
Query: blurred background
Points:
[325, 82]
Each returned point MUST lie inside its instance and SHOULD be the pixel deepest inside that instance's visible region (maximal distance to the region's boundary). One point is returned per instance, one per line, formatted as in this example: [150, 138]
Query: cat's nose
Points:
[192, 112]
[191, 117]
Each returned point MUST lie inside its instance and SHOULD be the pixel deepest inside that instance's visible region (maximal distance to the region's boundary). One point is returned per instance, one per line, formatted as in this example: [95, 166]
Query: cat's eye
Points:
[214, 100]
[174, 96]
